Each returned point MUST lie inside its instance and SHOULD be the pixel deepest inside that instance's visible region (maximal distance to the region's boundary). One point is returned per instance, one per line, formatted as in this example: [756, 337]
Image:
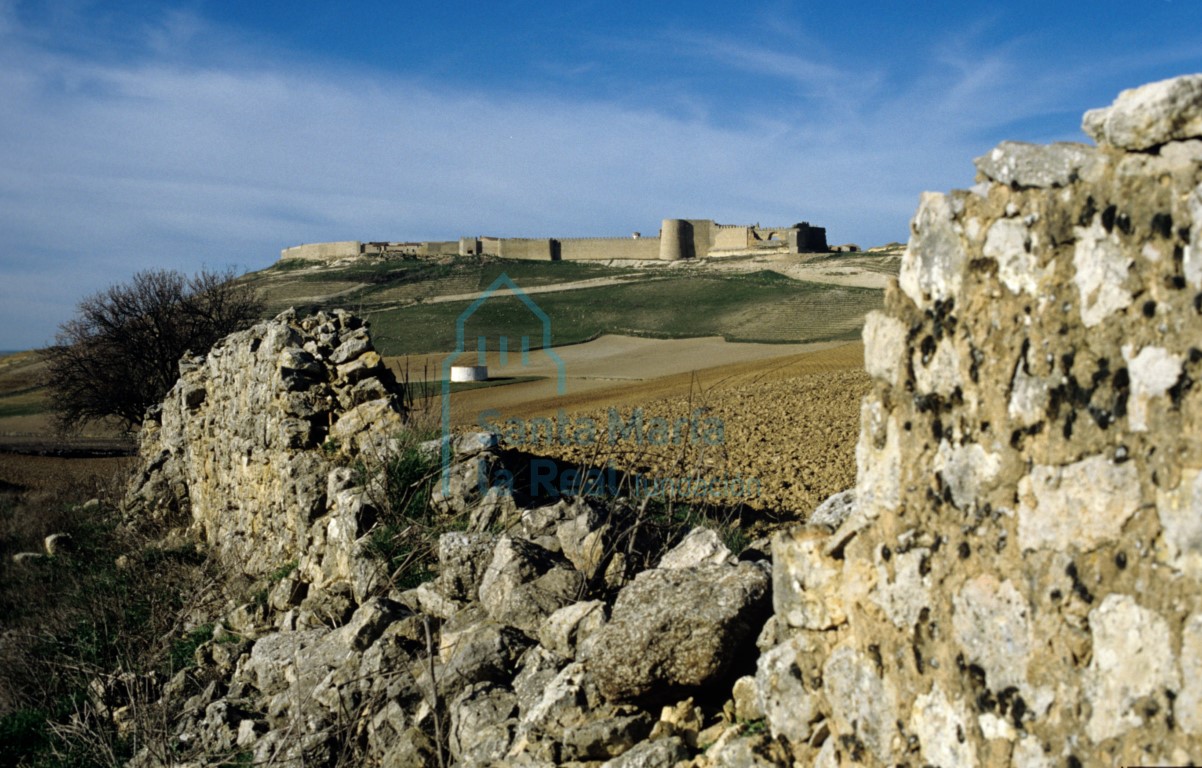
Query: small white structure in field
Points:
[469, 373]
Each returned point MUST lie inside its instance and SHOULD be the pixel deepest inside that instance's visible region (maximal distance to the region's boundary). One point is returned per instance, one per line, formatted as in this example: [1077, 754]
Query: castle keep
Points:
[678, 239]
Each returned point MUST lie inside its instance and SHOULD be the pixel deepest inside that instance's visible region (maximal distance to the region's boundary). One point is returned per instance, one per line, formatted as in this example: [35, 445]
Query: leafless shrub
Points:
[120, 353]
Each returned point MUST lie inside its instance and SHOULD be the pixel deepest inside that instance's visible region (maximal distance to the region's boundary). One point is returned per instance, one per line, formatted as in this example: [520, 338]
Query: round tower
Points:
[675, 239]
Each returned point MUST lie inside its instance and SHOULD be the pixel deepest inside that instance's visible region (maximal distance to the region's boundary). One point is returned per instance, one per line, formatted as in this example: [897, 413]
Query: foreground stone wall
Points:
[1018, 581]
[253, 443]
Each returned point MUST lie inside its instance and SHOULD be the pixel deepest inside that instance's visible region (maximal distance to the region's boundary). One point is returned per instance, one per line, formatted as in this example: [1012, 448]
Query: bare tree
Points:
[120, 353]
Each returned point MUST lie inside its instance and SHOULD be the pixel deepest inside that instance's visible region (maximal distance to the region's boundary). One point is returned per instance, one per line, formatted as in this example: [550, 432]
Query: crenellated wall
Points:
[686, 239]
[1020, 580]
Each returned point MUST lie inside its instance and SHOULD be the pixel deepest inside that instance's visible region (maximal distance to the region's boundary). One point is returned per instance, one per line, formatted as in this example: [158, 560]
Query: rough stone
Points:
[700, 546]
[990, 624]
[663, 753]
[831, 514]
[571, 626]
[884, 341]
[1153, 372]
[1150, 115]
[1051, 498]
[861, 703]
[523, 585]
[1017, 164]
[788, 704]
[1188, 707]
[806, 583]
[1132, 658]
[934, 266]
[673, 631]
[1180, 514]
[940, 725]
[1101, 272]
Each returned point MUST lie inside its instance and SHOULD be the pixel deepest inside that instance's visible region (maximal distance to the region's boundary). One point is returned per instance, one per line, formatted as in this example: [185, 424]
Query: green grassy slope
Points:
[658, 302]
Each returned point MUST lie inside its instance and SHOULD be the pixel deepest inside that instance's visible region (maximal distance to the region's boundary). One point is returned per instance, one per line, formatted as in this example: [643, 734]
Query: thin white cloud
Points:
[171, 158]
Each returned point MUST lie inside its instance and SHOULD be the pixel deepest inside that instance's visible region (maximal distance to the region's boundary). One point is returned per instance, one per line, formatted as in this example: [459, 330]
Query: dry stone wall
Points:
[1018, 581]
[254, 441]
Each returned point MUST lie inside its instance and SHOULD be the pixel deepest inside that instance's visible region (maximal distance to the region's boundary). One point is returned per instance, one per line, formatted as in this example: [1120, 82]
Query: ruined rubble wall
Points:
[1018, 583]
[254, 440]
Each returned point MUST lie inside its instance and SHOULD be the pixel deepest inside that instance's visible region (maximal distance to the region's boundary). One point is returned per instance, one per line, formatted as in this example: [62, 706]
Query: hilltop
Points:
[412, 302]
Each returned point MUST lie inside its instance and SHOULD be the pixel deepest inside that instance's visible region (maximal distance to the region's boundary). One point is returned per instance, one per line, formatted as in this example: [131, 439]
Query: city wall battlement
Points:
[684, 239]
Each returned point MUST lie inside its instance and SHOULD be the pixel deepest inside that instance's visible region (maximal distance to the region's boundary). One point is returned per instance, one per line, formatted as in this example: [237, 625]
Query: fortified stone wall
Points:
[1018, 581]
[539, 249]
[594, 248]
[686, 239]
[237, 446]
[323, 251]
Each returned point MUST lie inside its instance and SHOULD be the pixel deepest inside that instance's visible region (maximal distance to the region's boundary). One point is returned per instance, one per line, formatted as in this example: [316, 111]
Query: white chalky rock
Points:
[1100, 271]
[1132, 658]
[933, 266]
[1180, 513]
[1153, 372]
[1152, 114]
[1052, 500]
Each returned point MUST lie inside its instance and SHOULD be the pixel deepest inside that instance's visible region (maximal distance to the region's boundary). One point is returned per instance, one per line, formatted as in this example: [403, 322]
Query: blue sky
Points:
[190, 134]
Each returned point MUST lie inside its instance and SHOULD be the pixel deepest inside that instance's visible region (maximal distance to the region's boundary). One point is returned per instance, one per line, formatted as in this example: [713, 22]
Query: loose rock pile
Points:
[533, 646]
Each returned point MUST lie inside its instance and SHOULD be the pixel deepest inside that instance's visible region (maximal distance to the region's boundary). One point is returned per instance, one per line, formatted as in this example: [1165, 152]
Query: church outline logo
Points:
[503, 281]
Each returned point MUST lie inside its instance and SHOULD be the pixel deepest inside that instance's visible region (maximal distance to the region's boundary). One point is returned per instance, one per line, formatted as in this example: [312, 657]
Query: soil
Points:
[780, 421]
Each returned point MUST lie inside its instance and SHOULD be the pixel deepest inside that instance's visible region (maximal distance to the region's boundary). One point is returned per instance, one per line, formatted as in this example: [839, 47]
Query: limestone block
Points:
[1188, 707]
[1153, 372]
[1101, 270]
[788, 704]
[674, 631]
[884, 347]
[878, 462]
[903, 597]
[965, 471]
[938, 373]
[660, 753]
[481, 723]
[1014, 246]
[1180, 513]
[1132, 658]
[1052, 502]
[831, 513]
[746, 699]
[1152, 114]
[524, 584]
[569, 627]
[481, 651]
[462, 561]
[585, 540]
[806, 583]
[941, 726]
[990, 622]
[537, 667]
[934, 263]
[700, 546]
[1029, 396]
[1028, 753]
[1019, 164]
[861, 702]
[1192, 258]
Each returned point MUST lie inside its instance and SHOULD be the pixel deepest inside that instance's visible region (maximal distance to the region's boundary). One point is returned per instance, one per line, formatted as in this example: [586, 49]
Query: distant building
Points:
[678, 239]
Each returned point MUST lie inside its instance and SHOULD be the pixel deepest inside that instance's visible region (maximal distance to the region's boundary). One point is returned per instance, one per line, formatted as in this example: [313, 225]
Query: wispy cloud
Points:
[175, 156]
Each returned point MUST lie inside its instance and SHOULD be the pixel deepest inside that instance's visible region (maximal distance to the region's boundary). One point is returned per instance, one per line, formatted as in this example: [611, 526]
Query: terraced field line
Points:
[576, 285]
